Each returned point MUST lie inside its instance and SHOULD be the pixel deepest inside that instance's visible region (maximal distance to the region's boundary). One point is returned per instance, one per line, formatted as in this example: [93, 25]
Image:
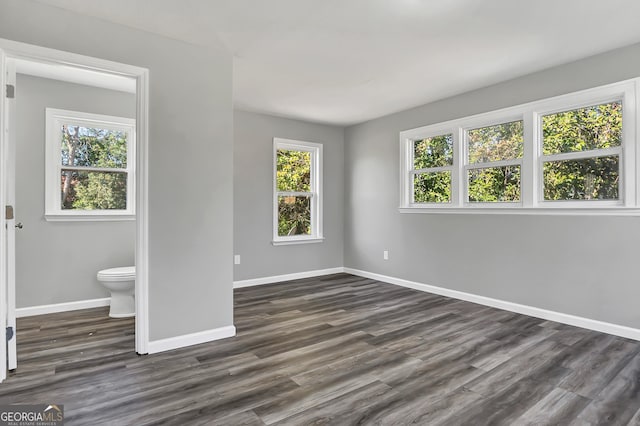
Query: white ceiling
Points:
[348, 61]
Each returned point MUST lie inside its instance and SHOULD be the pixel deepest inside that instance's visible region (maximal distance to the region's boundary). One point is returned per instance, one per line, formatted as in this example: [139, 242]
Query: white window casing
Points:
[315, 193]
[531, 163]
[55, 119]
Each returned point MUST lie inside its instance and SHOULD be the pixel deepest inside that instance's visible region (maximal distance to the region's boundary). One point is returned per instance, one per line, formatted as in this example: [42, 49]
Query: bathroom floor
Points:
[79, 340]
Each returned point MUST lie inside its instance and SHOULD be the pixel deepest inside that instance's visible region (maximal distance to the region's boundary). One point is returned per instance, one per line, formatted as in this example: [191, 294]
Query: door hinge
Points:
[9, 333]
[11, 91]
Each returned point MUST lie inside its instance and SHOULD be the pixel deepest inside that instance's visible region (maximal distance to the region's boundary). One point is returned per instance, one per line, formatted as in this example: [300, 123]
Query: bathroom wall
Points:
[253, 197]
[57, 261]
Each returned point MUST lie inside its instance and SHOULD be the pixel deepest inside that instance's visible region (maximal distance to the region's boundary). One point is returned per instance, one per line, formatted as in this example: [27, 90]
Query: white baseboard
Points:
[62, 307]
[170, 343]
[287, 277]
[591, 324]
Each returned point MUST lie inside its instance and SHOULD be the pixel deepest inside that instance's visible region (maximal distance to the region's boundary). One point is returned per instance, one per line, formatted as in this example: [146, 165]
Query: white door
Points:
[12, 224]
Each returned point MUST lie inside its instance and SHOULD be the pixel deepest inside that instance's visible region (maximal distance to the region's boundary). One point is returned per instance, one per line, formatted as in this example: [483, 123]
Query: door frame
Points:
[3, 221]
[9, 166]
[17, 50]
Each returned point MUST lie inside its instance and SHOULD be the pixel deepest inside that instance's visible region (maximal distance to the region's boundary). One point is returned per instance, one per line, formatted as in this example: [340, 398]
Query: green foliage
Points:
[93, 147]
[432, 187]
[100, 191]
[584, 129]
[595, 127]
[495, 143]
[494, 184]
[584, 179]
[433, 152]
[294, 216]
[293, 174]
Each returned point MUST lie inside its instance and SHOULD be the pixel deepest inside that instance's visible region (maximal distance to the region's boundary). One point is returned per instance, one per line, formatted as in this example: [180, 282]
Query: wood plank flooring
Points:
[337, 350]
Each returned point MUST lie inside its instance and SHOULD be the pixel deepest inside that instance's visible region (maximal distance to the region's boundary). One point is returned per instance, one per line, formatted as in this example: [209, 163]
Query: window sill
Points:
[584, 211]
[297, 241]
[89, 217]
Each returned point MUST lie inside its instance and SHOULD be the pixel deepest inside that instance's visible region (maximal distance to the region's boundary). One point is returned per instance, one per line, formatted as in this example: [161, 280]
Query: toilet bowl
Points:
[121, 283]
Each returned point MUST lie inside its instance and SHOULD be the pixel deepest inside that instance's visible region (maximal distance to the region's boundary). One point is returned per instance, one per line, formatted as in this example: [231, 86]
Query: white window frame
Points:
[315, 191]
[451, 168]
[55, 119]
[531, 191]
[467, 165]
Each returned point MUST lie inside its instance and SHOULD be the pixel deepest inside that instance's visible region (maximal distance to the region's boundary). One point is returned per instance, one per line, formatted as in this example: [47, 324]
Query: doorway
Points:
[69, 66]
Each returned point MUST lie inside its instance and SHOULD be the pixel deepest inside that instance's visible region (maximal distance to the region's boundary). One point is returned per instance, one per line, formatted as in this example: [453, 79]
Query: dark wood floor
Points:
[334, 350]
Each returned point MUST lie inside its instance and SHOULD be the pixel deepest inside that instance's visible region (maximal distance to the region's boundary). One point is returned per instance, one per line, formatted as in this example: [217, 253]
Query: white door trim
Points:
[25, 51]
[10, 199]
[3, 232]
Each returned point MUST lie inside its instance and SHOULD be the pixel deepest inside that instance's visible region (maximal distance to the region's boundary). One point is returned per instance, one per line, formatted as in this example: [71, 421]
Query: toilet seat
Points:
[125, 273]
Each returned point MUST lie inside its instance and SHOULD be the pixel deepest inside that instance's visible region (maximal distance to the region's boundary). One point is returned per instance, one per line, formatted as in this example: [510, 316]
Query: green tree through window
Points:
[573, 153]
[93, 148]
[293, 175]
[588, 130]
[429, 153]
[500, 142]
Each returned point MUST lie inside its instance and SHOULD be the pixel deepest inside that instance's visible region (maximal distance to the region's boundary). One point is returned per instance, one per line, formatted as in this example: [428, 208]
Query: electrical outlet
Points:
[236, 259]
[385, 255]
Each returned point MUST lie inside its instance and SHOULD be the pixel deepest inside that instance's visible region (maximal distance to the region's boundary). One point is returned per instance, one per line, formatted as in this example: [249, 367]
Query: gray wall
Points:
[190, 158]
[586, 266]
[57, 261]
[253, 199]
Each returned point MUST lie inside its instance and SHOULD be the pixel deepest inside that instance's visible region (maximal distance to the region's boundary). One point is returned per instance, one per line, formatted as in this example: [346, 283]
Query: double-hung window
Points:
[581, 153]
[432, 162]
[89, 166]
[297, 195]
[574, 153]
[494, 163]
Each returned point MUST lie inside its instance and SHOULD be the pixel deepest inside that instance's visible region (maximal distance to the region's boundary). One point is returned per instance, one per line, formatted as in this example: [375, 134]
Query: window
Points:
[432, 167]
[297, 200]
[573, 153]
[494, 163]
[581, 153]
[89, 166]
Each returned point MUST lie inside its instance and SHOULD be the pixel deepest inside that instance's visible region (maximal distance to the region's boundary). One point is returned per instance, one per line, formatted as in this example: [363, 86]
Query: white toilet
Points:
[121, 283]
